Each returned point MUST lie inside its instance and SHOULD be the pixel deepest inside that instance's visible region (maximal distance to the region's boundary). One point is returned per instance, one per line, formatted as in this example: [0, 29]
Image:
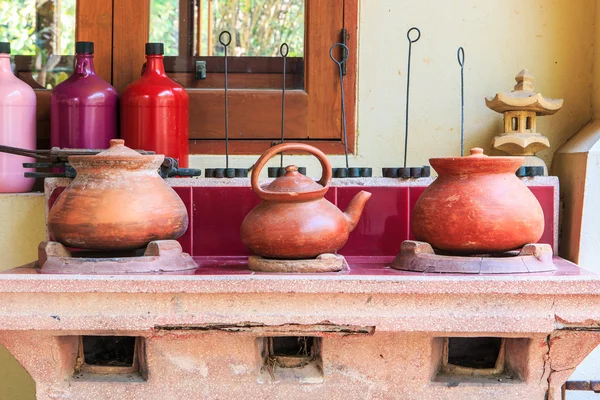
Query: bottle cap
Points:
[5, 47]
[84, 47]
[155, 48]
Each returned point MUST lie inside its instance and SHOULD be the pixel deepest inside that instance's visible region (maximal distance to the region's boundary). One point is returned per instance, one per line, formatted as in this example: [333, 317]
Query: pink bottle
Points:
[17, 126]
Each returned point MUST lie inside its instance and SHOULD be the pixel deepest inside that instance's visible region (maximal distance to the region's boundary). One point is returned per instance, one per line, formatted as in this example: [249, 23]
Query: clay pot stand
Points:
[226, 173]
[323, 263]
[160, 257]
[420, 257]
[352, 172]
[406, 172]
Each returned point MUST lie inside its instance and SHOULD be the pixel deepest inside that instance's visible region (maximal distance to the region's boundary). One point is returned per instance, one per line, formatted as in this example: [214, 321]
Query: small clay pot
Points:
[117, 201]
[295, 221]
[477, 205]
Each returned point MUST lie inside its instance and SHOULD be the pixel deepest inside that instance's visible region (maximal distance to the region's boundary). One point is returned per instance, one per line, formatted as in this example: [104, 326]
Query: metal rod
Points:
[226, 44]
[460, 55]
[283, 51]
[345, 53]
[410, 42]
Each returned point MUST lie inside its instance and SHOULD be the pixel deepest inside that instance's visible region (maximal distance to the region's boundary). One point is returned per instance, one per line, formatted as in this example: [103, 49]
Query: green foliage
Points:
[164, 24]
[258, 27]
[29, 27]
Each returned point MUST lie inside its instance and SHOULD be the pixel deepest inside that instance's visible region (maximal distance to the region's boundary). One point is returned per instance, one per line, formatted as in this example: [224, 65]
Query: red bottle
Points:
[154, 111]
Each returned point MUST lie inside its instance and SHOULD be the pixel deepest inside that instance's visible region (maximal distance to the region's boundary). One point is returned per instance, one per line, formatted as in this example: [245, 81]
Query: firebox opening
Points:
[111, 357]
[109, 351]
[477, 352]
[291, 358]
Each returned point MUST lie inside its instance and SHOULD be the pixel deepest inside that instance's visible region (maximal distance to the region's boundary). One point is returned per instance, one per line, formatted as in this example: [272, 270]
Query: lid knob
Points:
[116, 142]
[477, 152]
[291, 168]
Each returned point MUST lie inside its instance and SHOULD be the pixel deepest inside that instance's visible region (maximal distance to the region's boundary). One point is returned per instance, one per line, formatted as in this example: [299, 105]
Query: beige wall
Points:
[21, 229]
[553, 39]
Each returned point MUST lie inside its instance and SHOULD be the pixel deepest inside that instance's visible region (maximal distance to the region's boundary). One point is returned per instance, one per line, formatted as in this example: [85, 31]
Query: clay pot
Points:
[477, 205]
[117, 201]
[295, 221]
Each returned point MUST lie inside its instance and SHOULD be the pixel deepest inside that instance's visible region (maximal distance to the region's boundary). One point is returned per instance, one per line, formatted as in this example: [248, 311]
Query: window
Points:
[120, 28]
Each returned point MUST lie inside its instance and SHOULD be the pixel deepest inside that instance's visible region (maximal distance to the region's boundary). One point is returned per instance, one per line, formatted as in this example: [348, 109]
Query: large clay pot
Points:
[477, 205]
[295, 221]
[117, 201]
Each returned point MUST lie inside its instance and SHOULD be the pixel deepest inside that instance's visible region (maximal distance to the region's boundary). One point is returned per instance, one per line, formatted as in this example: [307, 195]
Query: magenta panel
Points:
[218, 213]
[186, 196]
[413, 196]
[545, 195]
[54, 195]
[384, 223]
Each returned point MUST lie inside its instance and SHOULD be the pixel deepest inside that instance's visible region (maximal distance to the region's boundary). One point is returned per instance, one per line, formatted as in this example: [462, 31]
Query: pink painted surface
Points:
[218, 213]
[186, 241]
[17, 128]
[384, 223]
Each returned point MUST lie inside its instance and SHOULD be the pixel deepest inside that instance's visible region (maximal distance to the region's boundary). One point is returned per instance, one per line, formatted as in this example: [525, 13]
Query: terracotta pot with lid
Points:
[117, 201]
[477, 205]
[295, 221]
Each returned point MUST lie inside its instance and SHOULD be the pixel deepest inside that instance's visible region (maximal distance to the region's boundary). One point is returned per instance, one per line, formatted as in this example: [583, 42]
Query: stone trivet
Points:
[160, 256]
[420, 257]
[324, 263]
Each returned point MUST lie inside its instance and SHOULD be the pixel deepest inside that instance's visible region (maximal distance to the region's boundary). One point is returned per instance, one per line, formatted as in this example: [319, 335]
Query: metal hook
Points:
[228, 38]
[409, 32]
[281, 51]
[460, 55]
[410, 42]
[344, 53]
[225, 45]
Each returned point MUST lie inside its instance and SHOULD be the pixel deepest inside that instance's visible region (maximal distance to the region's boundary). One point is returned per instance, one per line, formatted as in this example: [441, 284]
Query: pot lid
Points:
[476, 163]
[118, 152]
[293, 181]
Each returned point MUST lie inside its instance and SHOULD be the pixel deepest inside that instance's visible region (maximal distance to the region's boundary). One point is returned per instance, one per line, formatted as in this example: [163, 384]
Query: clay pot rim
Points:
[483, 165]
[141, 161]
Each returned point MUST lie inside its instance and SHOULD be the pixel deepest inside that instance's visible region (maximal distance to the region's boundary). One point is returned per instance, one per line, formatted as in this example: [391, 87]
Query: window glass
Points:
[42, 38]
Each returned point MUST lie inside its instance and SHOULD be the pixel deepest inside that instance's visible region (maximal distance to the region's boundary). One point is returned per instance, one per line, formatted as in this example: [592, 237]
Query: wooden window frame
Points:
[313, 115]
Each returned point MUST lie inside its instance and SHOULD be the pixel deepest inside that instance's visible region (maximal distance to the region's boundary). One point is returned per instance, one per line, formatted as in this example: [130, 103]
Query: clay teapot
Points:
[477, 205]
[295, 221]
[117, 201]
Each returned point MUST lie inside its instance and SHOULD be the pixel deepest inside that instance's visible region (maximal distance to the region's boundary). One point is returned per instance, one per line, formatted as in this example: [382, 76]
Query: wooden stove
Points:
[369, 332]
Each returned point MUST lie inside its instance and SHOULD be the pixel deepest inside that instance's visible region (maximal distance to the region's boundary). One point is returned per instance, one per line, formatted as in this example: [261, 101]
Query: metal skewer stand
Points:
[404, 171]
[275, 172]
[346, 172]
[225, 40]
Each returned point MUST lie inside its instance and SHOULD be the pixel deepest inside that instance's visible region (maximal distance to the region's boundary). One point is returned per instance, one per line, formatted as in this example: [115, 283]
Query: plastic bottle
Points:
[154, 110]
[17, 126]
[83, 108]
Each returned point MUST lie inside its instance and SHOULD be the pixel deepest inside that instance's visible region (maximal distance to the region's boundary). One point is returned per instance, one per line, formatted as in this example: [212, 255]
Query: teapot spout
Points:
[355, 209]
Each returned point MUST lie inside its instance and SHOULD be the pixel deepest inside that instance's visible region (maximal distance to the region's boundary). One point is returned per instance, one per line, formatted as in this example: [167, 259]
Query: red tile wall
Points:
[216, 214]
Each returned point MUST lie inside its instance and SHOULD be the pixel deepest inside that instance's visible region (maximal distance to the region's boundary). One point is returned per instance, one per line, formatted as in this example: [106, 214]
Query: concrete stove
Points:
[370, 332]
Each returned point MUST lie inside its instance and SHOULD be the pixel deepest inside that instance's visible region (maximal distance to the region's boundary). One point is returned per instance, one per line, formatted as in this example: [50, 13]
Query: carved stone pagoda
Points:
[520, 108]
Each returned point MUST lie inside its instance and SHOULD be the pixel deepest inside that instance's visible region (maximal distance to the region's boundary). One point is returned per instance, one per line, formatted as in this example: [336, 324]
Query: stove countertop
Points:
[366, 275]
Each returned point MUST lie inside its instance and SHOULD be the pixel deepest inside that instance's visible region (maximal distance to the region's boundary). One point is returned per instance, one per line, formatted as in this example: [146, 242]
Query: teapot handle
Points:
[262, 161]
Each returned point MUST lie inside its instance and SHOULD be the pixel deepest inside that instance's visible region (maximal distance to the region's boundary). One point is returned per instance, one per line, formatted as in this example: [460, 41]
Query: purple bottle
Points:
[83, 109]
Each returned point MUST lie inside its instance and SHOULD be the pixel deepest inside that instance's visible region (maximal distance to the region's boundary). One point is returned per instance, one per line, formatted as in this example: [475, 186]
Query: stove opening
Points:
[111, 356]
[300, 346]
[291, 358]
[109, 351]
[478, 352]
